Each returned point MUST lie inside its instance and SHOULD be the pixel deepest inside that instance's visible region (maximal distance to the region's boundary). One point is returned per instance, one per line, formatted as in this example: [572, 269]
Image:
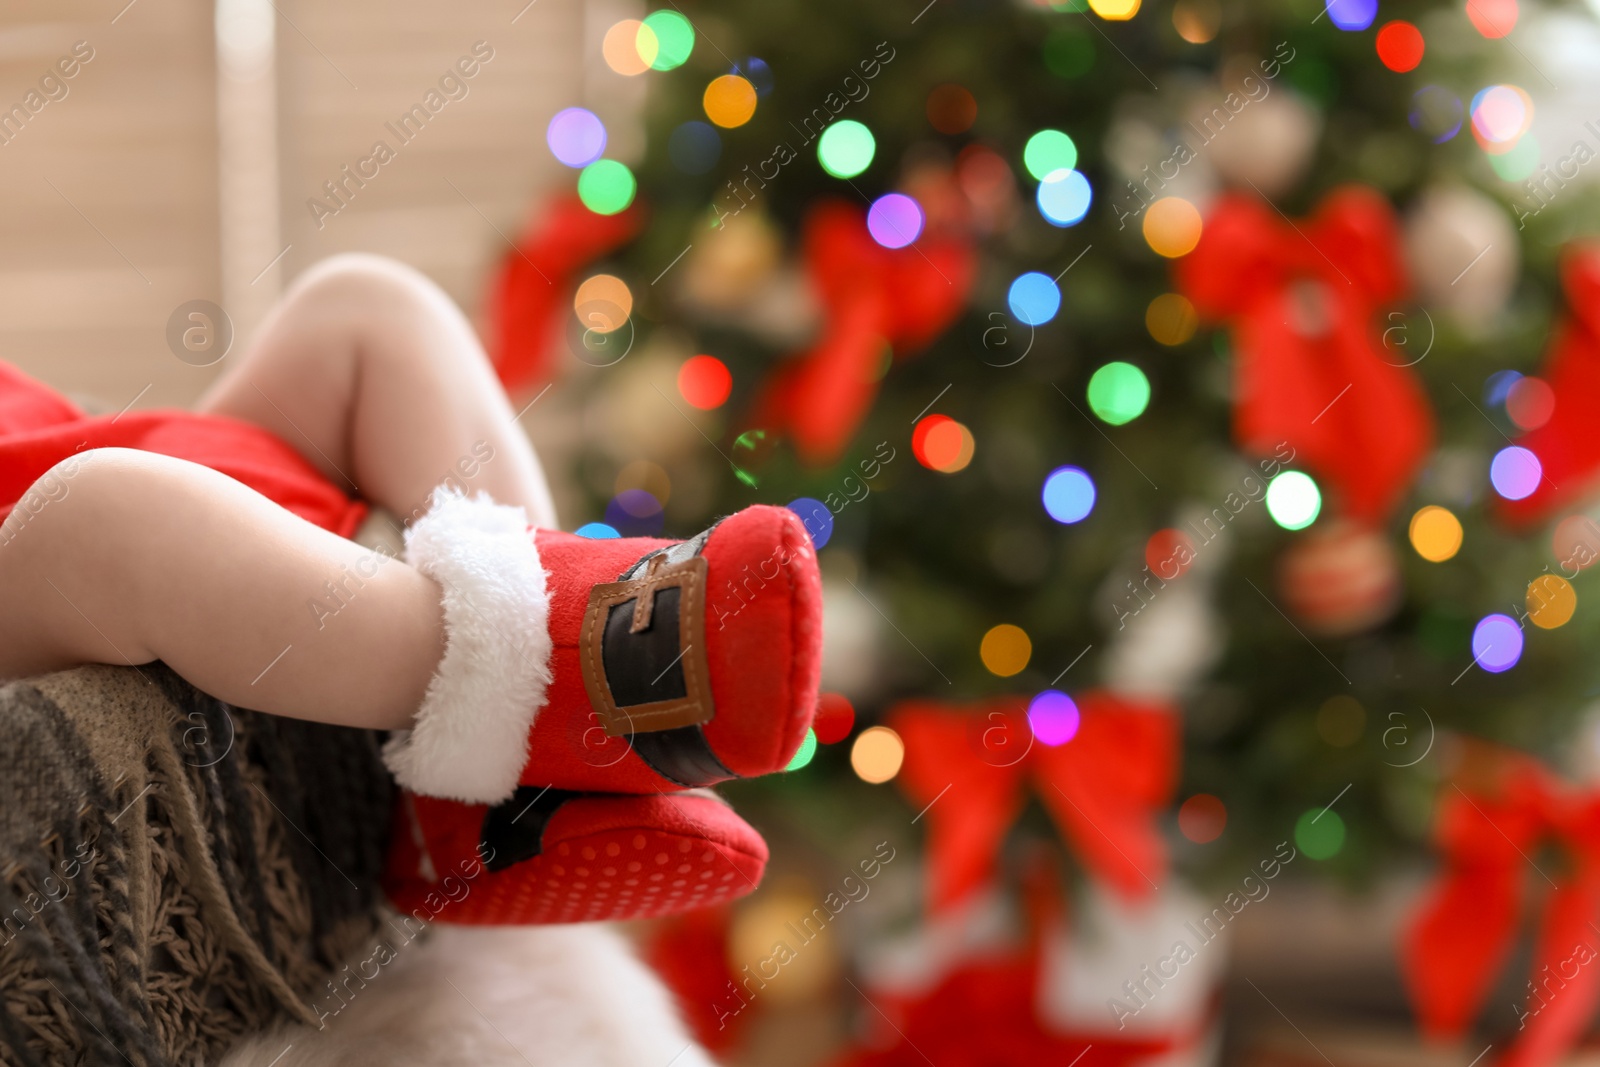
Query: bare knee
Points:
[358, 280]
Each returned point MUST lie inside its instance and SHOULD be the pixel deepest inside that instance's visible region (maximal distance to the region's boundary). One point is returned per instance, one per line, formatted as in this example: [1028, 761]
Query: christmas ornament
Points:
[872, 296]
[1340, 579]
[1266, 146]
[1310, 373]
[1565, 448]
[1103, 787]
[1500, 808]
[530, 297]
[725, 271]
[1463, 254]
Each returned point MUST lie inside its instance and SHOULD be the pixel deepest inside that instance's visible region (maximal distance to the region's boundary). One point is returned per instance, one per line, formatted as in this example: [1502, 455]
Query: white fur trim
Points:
[470, 738]
[491, 996]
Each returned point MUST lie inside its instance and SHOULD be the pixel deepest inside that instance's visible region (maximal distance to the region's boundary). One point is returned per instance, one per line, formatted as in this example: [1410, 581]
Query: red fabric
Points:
[872, 296]
[1103, 788]
[1490, 830]
[1359, 421]
[690, 953]
[532, 294]
[763, 646]
[985, 1014]
[39, 428]
[1567, 446]
[602, 858]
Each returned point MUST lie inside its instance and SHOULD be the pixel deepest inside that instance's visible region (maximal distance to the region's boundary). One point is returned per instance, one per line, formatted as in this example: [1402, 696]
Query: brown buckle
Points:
[692, 709]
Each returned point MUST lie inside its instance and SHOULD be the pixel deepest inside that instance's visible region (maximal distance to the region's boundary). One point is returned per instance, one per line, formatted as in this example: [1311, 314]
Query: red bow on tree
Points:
[1103, 788]
[872, 297]
[1489, 827]
[1567, 445]
[534, 288]
[1311, 370]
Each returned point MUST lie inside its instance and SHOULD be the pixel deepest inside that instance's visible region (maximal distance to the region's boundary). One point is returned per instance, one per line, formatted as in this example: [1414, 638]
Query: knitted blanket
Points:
[174, 872]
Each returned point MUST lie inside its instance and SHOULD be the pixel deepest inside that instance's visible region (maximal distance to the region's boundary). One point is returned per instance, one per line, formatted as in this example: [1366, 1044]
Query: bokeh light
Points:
[1497, 387]
[1202, 818]
[576, 136]
[877, 754]
[1496, 643]
[1352, 15]
[1436, 113]
[704, 382]
[1005, 650]
[951, 108]
[1515, 472]
[835, 718]
[846, 148]
[1492, 18]
[635, 513]
[1053, 717]
[695, 147]
[1172, 227]
[1115, 10]
[1530, 402]
[673, 37]
[629, 47]
[1171, 319]
[1064, 198]
[757, 72]
[1435, 533]
[1197, 21]
[606, 187]
[1517, 163]
[942, 444]
[1576, 542]
[894, 220]
[1068, 495]
[1293, 500]
[1400, 46]
[597, 531]
[1341, 720]
[1319, 833]
[816, 517]
[642, 474]
[1169, 553]
[1118, 393]
[1034, 298]
[1500, 113]
[729, 101]
[1047, 152]
[1551, 601]
[603, 303]
[804, 754]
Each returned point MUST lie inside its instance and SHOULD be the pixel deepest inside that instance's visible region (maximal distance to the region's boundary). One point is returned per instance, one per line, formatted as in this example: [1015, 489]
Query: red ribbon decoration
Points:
[1489, 828]
[532, 294]
[872, 296]
[1103, 788]
[1311, 369]
[1567, 446]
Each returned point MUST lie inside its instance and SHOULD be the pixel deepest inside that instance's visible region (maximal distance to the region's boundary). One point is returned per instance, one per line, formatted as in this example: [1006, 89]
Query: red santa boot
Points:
[621, 666]
[553, 856]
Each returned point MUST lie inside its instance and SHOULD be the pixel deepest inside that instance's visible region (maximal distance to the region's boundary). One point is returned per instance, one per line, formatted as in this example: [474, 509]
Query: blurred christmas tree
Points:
[938, 274]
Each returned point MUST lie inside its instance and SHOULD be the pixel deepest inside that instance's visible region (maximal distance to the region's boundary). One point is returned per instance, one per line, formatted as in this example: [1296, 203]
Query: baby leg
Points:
[141, 557]
[370, 371]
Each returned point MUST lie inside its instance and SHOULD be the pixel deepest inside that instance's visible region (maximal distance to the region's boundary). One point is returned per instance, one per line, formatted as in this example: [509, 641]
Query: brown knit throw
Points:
[174, 872]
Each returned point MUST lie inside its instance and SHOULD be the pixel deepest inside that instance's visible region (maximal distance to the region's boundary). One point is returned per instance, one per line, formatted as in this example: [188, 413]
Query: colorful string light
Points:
[1064, 198]
[816, 517]
[1034, 298]
[1005, 650]
[894, 220]
[846, 148]
[1496, 643]
[1435, 533]
[1515, 472]
[1068, 495]
[1293, 500]
[1054, 718]
[1118, 393]
[606, 187]
[704, 382]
